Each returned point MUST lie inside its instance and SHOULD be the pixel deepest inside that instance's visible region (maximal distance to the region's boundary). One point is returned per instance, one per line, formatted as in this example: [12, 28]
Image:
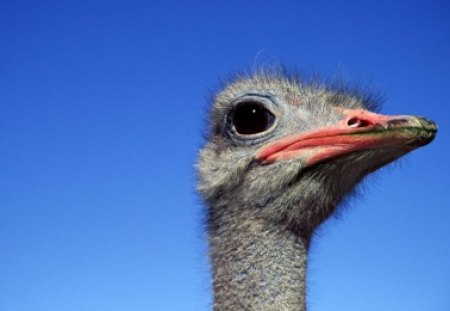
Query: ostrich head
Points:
[289, 151]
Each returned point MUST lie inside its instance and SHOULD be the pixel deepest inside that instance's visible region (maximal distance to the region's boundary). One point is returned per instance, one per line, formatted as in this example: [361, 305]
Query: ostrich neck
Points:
[257, 265]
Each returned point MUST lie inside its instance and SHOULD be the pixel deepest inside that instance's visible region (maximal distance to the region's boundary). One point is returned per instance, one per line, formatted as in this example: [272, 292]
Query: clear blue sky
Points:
[101, 111]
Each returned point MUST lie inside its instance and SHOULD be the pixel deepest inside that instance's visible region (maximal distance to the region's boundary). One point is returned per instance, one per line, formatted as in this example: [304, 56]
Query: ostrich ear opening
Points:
[359, 130]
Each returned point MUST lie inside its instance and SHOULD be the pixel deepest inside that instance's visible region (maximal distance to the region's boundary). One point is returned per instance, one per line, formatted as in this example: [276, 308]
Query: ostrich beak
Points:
[359, 130]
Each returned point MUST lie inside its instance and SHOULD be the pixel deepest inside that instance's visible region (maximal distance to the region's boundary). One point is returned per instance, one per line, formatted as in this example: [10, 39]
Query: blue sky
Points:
[101, 111]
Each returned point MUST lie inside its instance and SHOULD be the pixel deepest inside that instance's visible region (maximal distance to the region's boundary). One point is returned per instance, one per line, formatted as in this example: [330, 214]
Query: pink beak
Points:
[359, 130]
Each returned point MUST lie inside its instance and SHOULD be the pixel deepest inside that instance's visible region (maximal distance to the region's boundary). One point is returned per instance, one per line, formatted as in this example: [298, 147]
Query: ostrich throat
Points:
[257, 264]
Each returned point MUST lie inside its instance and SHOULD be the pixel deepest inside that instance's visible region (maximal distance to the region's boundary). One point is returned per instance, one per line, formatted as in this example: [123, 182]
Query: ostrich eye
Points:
[252, 118]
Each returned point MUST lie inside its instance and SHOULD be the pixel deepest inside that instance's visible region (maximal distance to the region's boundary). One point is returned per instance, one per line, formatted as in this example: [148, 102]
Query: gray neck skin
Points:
[257, 265]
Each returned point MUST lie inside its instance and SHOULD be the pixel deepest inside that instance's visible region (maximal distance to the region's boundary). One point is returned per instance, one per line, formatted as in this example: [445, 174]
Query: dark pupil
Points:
[252, 118]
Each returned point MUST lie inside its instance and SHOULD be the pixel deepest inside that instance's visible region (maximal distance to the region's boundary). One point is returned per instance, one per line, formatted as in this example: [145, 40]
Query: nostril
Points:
[357, 122]
[353, 122]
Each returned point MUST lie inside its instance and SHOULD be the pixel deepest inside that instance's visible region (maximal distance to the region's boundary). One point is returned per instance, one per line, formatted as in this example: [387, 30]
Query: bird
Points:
[281, 154]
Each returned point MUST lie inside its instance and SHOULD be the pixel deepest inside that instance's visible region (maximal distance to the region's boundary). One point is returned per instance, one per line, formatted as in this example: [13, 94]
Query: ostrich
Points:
[281, 154]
